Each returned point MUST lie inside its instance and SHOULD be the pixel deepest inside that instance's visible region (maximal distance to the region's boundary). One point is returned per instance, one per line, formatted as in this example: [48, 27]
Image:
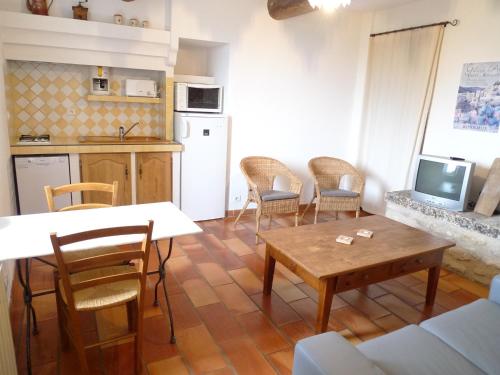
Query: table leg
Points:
[326, 288]
[268, 272]
[432, 284]
[30, 311]
[162, 274]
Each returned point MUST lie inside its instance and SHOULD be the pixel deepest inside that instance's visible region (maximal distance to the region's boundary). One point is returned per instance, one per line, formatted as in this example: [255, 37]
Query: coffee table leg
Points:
[432, 284]
[268, 272]
[326, 288]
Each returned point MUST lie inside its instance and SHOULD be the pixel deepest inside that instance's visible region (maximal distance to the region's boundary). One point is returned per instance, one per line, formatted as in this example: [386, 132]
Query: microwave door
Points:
[204, 99]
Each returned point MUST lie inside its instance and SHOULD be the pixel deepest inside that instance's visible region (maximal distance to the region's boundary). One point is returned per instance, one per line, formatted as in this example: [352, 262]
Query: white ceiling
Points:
[377, 4]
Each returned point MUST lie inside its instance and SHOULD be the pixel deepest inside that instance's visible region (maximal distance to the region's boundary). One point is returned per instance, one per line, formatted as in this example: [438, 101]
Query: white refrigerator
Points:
[203, 179]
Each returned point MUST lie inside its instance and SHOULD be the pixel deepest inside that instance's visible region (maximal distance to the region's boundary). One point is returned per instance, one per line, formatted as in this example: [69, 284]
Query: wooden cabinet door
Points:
[154, 176]
[107, 168]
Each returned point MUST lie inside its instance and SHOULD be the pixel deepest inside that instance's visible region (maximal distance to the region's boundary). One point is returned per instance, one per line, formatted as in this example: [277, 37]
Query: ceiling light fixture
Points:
[328, 5]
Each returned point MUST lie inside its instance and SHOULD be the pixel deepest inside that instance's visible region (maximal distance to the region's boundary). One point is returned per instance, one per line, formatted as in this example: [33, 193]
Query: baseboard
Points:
[251, 211]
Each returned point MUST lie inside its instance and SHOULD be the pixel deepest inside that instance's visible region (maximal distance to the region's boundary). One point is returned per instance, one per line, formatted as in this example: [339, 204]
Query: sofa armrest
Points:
[495, 290]
[329, 353]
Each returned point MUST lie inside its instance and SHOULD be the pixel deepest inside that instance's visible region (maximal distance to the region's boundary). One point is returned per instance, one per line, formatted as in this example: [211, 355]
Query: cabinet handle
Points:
[126, 172]
[140, 171]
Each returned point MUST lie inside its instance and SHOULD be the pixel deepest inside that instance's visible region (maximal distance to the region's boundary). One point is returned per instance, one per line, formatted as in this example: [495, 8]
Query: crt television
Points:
[443, 182]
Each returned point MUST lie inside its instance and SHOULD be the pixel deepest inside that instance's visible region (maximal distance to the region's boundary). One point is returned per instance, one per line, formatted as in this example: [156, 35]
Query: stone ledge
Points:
[488, 226]
[477, 253]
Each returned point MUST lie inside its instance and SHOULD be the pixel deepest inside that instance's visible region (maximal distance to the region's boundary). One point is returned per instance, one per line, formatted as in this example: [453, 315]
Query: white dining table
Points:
[28, 236]
[25, 237]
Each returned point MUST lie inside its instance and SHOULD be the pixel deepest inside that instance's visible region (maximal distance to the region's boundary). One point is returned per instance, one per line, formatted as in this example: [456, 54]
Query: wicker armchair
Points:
[327, 173]
[260, 173]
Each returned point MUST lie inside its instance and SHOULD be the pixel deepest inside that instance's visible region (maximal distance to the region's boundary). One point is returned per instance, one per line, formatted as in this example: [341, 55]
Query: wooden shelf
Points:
[122, 99]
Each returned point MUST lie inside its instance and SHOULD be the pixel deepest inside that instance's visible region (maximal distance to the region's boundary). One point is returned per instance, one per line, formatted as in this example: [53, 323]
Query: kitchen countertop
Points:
[71, 145]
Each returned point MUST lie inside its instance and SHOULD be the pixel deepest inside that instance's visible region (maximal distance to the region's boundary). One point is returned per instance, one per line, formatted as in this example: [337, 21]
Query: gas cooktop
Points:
[26, 138]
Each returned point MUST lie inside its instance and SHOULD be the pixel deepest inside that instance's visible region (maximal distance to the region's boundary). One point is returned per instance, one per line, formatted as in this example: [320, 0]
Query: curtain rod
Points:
[445, 23]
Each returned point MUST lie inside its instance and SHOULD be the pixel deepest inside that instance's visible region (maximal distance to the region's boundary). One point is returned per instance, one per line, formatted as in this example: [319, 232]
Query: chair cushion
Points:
[275, 195]
[413, 350]
[473, 331]
[338, 193]
[106, 295]
[330, 353]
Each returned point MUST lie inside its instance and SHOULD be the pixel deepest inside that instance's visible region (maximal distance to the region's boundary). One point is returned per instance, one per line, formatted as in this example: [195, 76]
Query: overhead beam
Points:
[283, 9]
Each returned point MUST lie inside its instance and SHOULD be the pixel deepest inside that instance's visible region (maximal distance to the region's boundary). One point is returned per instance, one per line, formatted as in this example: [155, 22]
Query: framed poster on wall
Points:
[478, 101]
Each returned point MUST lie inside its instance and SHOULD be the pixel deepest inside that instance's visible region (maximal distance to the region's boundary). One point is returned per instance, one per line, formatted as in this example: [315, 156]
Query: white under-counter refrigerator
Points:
[35, 172]
[203, 180]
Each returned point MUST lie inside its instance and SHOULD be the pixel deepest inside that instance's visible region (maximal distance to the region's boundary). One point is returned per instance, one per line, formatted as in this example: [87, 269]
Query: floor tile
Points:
[297, 330]
[282, 361]
[199, 349]
[261, 331]
[275, 308]
[173, 365]
[220, 322]
[199, 292]
[247, 280]
[214, 274]
[245, 357]
[238, 247]
[357, 323]
[400, 308]
[235, 299]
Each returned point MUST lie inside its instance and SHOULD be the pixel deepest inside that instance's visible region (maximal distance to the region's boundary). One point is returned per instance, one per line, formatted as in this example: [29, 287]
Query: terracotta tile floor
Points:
[223, 323]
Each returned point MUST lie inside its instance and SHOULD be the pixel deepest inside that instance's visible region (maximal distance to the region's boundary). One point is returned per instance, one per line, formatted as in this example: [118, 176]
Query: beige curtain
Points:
[402, 70]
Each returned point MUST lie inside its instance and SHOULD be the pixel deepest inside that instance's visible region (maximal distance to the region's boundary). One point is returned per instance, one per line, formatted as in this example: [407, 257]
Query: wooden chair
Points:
[260, 173]
[328, 173]
[86, 285]
[51, 192]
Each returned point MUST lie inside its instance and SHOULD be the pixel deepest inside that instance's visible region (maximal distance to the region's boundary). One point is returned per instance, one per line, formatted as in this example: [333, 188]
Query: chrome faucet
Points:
[122, 132]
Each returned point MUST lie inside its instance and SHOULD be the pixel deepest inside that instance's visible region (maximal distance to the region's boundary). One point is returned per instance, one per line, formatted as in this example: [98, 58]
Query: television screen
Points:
[440, 179]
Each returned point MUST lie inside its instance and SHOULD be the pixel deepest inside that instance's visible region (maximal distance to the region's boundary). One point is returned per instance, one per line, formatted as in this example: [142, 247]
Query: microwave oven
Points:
[195, 97]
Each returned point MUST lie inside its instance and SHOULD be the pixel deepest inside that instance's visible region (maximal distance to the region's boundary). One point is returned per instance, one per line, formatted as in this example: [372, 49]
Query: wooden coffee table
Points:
[310, 251]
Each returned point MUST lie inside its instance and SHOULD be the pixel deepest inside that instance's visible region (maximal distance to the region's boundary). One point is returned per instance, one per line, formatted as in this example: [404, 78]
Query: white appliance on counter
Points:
[35, 172]
[141, 88]
[203, 164]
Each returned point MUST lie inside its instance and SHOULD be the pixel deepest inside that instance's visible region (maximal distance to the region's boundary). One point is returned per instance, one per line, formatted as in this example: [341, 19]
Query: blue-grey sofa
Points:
[462, 341]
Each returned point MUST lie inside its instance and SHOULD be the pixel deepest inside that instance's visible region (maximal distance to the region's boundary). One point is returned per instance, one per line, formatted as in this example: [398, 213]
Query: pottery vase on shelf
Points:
[39, 7]
[80, 12]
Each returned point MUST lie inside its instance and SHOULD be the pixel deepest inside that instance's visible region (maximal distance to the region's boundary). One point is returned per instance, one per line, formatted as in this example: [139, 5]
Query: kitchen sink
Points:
[116, 140]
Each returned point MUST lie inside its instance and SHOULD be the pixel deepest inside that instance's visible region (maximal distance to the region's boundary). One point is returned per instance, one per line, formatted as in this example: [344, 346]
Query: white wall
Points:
[475, 39]
[157, 12]
[192, 60]
[290, 84]
[7, 200]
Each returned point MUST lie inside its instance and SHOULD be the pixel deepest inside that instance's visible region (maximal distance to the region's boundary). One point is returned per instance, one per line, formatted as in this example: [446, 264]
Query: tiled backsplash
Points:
[46, 98]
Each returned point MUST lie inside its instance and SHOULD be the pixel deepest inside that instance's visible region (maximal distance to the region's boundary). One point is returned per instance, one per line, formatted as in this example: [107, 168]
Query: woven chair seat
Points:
[339, 193]
[106, 295]
[276, 195]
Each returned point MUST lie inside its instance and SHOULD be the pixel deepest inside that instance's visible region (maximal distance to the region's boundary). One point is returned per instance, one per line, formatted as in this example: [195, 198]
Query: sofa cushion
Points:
[473, 331]
[338, 193]
[329, 353]
[274, 195]
[413, 350]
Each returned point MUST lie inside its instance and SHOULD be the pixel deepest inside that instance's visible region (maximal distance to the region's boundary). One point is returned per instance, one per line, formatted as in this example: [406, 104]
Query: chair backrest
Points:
[67, 267]
[328, 172]
[51, 192]
[262, 171]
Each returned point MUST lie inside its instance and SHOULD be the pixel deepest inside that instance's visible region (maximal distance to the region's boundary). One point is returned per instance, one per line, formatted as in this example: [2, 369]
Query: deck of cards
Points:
[344, 239]
[365, 233]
